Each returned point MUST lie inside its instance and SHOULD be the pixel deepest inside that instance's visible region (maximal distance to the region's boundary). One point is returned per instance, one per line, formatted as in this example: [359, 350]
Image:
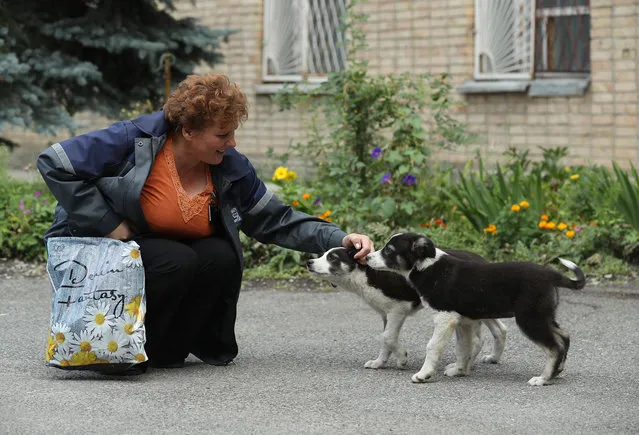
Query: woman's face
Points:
[209, 144]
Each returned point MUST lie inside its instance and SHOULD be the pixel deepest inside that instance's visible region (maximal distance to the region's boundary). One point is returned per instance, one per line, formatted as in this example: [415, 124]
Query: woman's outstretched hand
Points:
[362, 243]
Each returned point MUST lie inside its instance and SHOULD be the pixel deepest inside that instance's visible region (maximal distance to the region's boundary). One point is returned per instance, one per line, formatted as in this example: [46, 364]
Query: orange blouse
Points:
[168, 209]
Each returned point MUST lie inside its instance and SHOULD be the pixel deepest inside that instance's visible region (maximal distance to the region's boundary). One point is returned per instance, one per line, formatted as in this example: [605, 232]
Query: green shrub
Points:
[628, 200]
[367, 141]
[26, 212]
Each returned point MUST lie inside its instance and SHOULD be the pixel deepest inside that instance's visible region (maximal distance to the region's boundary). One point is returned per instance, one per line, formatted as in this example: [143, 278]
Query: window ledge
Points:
[274, 88]
[570, 86]
[492, 87]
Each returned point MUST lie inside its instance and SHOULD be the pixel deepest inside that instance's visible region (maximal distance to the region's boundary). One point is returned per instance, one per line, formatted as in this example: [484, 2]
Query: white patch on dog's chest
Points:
[374, 296]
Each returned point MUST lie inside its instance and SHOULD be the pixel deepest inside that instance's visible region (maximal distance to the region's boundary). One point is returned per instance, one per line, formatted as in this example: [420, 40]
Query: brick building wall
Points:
[436, 36]
[423, 36]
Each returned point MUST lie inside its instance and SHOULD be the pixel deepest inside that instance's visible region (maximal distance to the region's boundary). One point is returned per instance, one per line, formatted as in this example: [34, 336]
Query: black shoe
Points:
[161, 364]
[136, 369]
[222, 360]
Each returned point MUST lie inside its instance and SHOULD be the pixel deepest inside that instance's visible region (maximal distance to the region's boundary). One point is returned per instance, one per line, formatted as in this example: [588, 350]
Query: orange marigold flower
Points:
[570, 234]
[422, 225]
[562, 226]
[593, 223]
[524, 204]
[542, 224]
[295, 203]
[438, 222]
[491, 228]
[515, 207]
[550, 225]
[306, 196]
[544, 217]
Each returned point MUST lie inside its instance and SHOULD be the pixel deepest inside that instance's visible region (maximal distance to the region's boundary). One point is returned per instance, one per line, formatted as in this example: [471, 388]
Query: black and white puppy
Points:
[526, 291]
[394, 299]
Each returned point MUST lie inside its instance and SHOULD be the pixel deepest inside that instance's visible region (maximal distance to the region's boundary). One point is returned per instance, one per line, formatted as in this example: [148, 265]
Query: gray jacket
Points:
[97, 179]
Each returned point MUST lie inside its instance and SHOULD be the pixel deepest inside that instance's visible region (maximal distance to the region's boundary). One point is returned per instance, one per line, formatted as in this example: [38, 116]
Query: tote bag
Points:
[97, 305]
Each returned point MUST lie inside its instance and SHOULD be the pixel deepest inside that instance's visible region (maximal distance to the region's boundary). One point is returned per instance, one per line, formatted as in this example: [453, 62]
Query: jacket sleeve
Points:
[267, 219]
[70, 168]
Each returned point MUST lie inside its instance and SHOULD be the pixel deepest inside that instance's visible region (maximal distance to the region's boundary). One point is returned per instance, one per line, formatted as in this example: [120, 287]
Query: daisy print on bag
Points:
[62, 357]
[51, 348]
[131, 256]
[83, 342]
[137, 353]
[136, 308]
[61, 335]
[112, 346]
[83, 346]
[130, 328]
[97, 319]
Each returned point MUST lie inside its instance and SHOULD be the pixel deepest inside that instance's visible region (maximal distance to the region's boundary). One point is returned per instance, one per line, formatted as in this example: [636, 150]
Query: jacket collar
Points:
[153, 124]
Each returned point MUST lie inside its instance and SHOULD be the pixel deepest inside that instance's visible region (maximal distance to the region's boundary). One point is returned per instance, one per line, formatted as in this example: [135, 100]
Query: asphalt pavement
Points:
[301, 370]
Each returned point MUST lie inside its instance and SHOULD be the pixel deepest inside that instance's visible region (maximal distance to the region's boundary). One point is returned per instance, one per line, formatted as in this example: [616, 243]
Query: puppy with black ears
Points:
[526, 291]
[394, 299]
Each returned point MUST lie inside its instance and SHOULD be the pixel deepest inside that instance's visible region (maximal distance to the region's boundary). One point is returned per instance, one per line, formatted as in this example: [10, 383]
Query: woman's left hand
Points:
[362, 243]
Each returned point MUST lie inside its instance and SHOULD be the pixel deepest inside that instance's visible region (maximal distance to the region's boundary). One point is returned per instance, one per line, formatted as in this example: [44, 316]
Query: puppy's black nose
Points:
[309, 262]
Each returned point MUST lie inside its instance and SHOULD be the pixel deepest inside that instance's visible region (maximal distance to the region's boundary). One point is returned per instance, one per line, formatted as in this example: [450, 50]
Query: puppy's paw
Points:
[537, 381]
[455, 371]
[450, 366]
[490, 359]
[375, 364]
[420, 378]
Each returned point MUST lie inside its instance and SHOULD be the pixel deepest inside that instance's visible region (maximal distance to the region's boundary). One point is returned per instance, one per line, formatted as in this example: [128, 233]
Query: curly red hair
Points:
[200, 101]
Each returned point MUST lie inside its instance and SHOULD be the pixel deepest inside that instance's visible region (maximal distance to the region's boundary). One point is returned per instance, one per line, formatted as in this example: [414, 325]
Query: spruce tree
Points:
[64, 56]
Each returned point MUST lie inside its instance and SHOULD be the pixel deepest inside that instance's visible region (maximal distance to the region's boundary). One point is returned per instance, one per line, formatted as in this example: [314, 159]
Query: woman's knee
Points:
[168, 257]
[216, 252]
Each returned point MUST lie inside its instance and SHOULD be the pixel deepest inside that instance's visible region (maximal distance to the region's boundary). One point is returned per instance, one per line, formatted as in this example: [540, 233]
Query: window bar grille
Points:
[303, 38]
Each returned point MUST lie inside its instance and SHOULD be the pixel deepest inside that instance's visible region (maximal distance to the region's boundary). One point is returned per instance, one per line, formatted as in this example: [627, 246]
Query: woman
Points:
[173, 182]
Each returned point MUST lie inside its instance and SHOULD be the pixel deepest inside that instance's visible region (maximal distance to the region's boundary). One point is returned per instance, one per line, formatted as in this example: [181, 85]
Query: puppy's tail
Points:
[574, 284]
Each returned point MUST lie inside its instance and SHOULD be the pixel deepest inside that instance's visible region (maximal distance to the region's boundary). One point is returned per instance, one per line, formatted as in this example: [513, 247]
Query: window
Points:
[562, 36]
[303, 39]
[519, 39]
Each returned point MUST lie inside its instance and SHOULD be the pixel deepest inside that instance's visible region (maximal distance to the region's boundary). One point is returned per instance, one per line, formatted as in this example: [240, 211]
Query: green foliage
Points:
[367, 140]
[58, 58]
[271, 261]
[26, 212]
[485, 197]
[628, 202]
[593, 196]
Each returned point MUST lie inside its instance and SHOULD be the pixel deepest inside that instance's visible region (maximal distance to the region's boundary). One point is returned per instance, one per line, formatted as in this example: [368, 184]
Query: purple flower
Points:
[386, 178]
[21, 205]
[578, 229]
[376, 153]
[27, 211]
[45, 202]
[37, 194]
[408, 179]
[317, 200]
